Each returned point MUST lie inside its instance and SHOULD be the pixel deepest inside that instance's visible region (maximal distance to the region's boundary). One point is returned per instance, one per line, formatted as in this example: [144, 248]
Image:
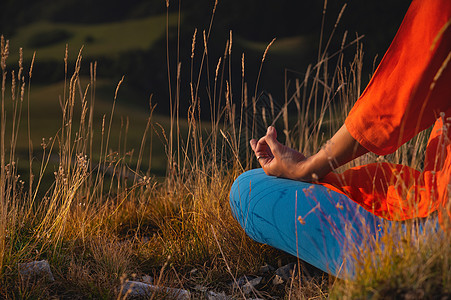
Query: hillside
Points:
[129, 38]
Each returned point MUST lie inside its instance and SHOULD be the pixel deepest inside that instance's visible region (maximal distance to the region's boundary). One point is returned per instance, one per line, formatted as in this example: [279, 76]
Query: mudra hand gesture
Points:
[281, 161]
[277, 159]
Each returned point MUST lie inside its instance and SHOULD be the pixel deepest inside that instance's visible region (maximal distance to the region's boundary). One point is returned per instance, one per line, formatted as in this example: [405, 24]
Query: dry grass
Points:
[404, 266]
[97, 226]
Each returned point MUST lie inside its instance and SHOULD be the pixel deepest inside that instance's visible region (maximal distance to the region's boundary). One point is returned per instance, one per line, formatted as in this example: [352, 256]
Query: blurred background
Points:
[129, 38]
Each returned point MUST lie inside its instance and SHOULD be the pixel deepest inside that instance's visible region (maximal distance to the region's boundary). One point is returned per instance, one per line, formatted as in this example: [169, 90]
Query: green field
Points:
[49, 39]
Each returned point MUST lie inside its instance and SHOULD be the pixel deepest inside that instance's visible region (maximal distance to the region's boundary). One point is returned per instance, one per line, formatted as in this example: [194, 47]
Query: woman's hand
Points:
[279, 160]
[282, 161]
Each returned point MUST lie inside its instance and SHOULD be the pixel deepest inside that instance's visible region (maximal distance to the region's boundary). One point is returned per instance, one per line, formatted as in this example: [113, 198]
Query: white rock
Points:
[242, 281]
[250, 285]
[147, 279]
[140, 289]
[215, 296]
[36, 270]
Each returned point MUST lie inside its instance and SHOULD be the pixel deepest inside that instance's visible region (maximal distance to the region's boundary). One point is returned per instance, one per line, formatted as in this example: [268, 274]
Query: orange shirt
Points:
[410, 90]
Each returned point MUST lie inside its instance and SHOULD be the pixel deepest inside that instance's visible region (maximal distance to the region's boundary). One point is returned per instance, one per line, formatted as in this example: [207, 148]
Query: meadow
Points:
[86, 198]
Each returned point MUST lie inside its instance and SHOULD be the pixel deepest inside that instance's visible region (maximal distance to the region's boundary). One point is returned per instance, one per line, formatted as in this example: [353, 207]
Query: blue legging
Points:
[310, 221]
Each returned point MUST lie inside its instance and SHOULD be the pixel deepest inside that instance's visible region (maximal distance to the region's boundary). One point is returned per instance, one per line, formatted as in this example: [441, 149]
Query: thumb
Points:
[253, 143]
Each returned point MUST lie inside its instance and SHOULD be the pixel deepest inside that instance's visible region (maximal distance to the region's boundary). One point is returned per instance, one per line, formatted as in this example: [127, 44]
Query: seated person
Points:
[320, 222]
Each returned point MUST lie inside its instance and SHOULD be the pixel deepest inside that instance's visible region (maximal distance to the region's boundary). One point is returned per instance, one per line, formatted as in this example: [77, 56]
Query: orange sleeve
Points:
[412, 84]
[410, 90]
[398, 192]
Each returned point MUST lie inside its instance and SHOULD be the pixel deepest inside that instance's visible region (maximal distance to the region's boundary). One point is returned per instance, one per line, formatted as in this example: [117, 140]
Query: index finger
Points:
[253, 143]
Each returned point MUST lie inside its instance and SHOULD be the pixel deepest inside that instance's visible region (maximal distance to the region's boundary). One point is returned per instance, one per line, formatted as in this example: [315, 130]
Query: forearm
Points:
[340, 149]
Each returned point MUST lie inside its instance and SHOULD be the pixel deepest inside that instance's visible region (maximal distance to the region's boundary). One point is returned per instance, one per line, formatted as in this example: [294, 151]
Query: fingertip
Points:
[271, 130]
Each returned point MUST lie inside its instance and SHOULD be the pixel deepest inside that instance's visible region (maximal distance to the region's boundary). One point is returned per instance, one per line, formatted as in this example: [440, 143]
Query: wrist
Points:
[304, 170]
[317, 166]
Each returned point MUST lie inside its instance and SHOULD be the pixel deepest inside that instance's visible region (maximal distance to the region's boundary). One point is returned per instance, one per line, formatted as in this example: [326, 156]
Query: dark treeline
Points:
[253, 20]
[15, 13]
[257, 19]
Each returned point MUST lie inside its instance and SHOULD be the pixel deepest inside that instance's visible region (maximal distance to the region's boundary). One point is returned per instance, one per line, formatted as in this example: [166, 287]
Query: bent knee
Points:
[241, 189]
